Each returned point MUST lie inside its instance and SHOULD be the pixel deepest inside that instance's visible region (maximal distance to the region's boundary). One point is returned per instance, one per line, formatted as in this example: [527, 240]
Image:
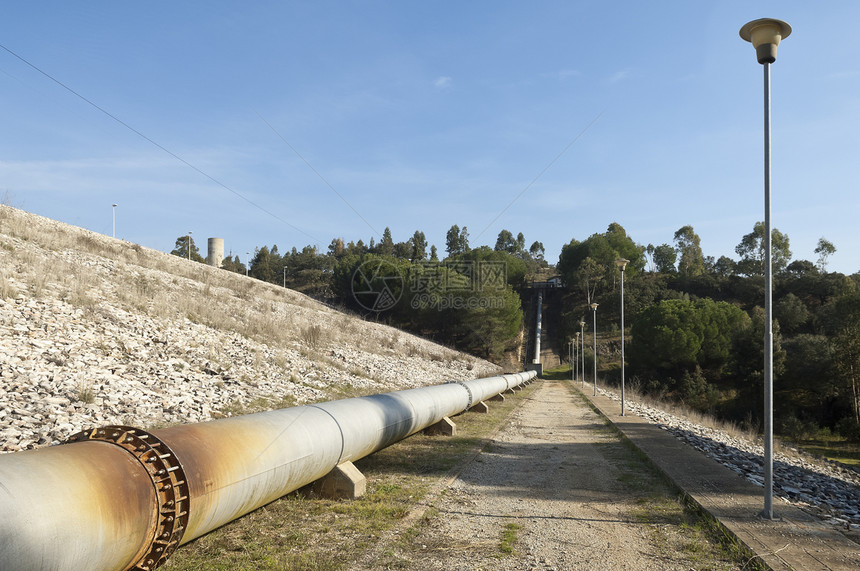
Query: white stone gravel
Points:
[97, 331]
[824, 488]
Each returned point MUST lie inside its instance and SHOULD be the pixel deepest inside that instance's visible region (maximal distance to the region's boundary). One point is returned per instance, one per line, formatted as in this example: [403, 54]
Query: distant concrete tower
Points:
[216, 252]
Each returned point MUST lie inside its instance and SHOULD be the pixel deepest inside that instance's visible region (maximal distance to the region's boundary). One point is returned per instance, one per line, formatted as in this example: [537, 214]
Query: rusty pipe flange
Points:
[168, 479]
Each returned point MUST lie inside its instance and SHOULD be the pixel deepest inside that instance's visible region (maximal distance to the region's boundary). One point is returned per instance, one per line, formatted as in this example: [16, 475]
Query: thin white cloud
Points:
[620, 75]
[442, 82]
[848, 74]
[566, 74]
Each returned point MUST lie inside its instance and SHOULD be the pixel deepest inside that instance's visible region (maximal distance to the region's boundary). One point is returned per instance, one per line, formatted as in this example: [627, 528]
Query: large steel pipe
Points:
[120, 498]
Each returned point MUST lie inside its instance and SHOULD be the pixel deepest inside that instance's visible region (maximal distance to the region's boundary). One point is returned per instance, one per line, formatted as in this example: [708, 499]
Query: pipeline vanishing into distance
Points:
[118, 498]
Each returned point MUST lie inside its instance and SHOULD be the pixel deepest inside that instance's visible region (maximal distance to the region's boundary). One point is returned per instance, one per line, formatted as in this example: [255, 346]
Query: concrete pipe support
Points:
[118, 498]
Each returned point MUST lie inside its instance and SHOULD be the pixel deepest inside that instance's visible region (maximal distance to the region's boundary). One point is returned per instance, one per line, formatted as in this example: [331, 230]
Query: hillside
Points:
[95, 330]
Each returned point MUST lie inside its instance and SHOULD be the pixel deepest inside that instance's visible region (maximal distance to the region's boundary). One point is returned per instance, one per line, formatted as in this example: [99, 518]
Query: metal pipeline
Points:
[119, 498]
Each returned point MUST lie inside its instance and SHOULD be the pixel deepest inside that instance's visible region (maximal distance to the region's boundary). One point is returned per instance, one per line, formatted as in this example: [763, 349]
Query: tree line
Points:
[696, 325]
[468, 299]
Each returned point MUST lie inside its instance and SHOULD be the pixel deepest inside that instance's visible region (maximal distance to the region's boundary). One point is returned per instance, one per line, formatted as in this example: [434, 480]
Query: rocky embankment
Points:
[824, 488]
[96, 331]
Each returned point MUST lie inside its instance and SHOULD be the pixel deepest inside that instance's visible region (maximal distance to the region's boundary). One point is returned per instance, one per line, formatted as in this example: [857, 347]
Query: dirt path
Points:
[568, 494]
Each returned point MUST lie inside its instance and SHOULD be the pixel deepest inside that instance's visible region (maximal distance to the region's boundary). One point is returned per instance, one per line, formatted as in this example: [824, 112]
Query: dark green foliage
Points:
[456, 302]
[751, 250]
[233, 264]
[181, 248]
[688, 245]
[590, 265]
[791, 313]
[664, 259]
[675, 336]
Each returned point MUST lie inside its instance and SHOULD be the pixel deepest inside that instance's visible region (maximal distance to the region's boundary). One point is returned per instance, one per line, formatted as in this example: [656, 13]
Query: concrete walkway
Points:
[797, 541]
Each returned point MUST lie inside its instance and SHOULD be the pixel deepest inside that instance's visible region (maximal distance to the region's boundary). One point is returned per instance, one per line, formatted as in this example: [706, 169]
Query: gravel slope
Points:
[95, 331]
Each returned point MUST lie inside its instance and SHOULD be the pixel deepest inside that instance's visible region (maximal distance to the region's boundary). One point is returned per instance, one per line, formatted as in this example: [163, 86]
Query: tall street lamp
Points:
[765, 35]
[189, 243]
[285, 276]
[114, 220]
[582, 352]
[622, 263]
[570, 358]
[576, 357]
[248, 263]
[594, 331]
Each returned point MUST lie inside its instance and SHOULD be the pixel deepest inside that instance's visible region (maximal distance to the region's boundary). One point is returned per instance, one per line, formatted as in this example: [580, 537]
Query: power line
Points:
[318, 174]
[169, 152]
[540, 174]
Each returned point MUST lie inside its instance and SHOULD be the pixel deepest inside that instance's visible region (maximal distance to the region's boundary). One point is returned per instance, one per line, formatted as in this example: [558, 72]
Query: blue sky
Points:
[305, 121]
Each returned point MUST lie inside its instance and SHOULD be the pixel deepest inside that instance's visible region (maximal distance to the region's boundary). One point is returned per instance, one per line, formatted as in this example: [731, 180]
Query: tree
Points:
[463, 241]
[664, 257]
[457, 241]
[233, 264]
[386, 246]
[336, 248]
[452, 241]
[724, 266]
[791, 313]
[521, 245]
[434, 255]
[603, 249]
[261, 265]
[649, 255]
[403, 250]
[181, 248]
[506, 242]
[676, 335]
[842, 320]
[691, 261]
[419, 247]
[590, 274]
[751, 250]
[824, 249]
[537, 251]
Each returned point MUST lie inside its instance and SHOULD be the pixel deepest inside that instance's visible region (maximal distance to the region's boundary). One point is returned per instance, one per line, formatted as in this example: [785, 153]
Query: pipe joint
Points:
[170, 484]
[468, 391]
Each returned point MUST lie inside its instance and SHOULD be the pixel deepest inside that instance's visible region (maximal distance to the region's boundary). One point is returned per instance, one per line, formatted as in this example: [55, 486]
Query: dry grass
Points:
[302, 531]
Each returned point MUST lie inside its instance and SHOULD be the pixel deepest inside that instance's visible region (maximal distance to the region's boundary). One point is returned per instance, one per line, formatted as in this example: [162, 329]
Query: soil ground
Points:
[556, 489]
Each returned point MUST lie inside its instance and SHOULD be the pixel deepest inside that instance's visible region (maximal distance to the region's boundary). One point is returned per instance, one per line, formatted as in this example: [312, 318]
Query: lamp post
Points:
[594, 331]
[576, 357]
[189, 243]
[622, 263]
[114, 220]
[582, 352]
[765, 35]
[570, 357]
[248, 264]
[285, 276]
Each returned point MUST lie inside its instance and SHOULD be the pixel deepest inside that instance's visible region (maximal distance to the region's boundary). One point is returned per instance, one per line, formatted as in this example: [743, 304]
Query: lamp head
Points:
[765, 34]
[582, 323]
[622, 263]
[593, 306]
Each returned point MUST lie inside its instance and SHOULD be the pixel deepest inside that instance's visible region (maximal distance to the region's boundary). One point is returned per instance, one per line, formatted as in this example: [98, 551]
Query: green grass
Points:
[301, 531]
[560, 373]
[509, 538]
[834, 448]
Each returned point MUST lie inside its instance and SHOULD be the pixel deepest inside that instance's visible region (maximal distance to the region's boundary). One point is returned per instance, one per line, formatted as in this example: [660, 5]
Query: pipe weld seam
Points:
[339, 429]
[168, 479]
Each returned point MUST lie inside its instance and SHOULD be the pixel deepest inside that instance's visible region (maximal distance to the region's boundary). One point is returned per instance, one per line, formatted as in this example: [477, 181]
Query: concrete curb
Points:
[798, 541]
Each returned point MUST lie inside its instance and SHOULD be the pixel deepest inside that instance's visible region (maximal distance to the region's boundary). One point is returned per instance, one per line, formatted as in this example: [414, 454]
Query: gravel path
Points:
[578, 497]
